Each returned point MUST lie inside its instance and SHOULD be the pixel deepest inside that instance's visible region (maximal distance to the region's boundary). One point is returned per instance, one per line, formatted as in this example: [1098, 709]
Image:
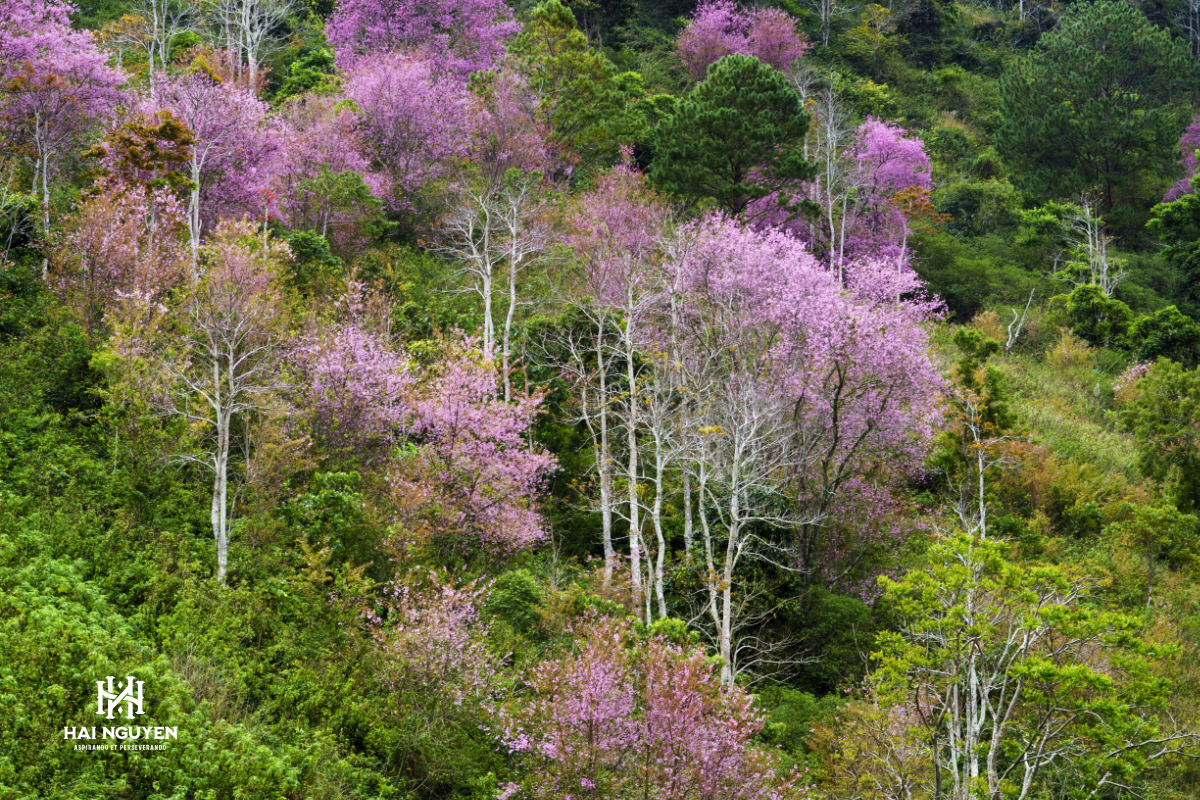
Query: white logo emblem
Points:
[115, 698]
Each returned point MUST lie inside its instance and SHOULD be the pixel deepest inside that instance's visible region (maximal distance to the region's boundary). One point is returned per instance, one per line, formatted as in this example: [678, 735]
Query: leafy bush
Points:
[514, 597]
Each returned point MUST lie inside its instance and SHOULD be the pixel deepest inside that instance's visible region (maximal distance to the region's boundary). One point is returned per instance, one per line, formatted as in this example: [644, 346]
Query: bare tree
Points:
[1018, 322]
[215, 361]
[1187, 19]
[828, 11]
[982, 449]
[739, 442]
[473, 238]
[662, 417]
[248, 29]
[494, 229]
[581, 352]
[837, 175]
[16, 210]
[1092, 263]
[524, 238]
[152, 29]
[736, 434]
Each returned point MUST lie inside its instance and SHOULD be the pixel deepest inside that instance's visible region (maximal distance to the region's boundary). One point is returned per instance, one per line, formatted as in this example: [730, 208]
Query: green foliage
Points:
[866, 97]
[969, 96]
[986, 382]
[1167, 333]
[874, 39]
[972, 276]
[588, 105]
[18, 220]
[736, 137]
[1072, 677]
[925, 28]
[59, 636]
[978, 207]
[1164, 419]
[514, 597]
[791, 716]
[1178, 224]
[425, 292]
[836, 629]
[1157, 535]
[604, 21]
[331, 514]
[1098, 106]
[1094, 316]
[314, 266]
[1043, 230]
[309, 73]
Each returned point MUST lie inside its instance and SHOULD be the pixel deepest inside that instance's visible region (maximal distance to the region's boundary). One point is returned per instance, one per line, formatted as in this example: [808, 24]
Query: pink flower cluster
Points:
[623, 717]
[461, 467]
[474, 478]
[433, 639]
[719, 28]
[457, 37]
[1189, 143]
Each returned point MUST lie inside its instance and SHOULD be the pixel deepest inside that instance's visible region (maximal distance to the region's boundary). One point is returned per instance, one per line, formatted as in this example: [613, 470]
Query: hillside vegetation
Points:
[600, 399]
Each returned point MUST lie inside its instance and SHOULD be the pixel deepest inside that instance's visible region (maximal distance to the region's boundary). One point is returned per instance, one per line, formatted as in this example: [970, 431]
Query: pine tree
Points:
[737, 138]
[1098, 106]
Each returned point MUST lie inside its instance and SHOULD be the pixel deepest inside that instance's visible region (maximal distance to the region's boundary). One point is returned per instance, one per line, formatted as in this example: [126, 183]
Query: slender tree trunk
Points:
[709, 561]
[635, 550]
[489, 326]
[604, 465]
[193, 217]
[151, 54]
[725, 639]
[659, 469]
[44, 158]
[689, 533]
[221, 493]
[508, 323]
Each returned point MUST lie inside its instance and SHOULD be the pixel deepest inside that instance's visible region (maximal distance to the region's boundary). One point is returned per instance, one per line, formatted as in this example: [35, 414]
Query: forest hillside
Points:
[599, 399]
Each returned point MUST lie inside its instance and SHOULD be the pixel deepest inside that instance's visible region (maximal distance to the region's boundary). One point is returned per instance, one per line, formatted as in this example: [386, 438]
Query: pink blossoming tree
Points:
[1189, 143]
[719, 28]
[214, 359]
[470, 479]
[324, 179]
[432, 638]
[799, 388]
[457, 36]
[508, 132]
[356, 388]
[861, 175]
[55, 86]
[116, 250]
[623, 717]
[415, 123]
[234, 153]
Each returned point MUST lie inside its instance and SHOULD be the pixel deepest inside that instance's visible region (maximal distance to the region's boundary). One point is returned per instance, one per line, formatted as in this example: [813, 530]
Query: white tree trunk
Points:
[604, 459]
[631, 474]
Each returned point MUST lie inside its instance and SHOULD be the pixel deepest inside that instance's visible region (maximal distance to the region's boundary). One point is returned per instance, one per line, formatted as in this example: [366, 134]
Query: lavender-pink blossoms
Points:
[720, 28]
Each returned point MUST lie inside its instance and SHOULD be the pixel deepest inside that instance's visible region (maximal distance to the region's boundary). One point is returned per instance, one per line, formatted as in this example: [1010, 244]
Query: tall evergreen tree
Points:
[738, 137]
[1098, 106]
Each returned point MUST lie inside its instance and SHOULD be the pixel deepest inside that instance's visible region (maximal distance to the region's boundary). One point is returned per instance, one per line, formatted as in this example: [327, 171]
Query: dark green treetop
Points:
[1098, 106]
[738, 137]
